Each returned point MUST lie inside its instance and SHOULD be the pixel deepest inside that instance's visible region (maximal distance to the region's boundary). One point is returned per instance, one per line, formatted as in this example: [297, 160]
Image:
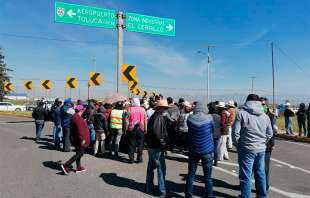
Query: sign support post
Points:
[120, 26]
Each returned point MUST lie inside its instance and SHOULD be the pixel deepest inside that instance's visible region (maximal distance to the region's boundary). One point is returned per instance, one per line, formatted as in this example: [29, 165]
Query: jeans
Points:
[92, 133]
[76, 158]
[39, 128]
[116, 135]
[156, 161]
[66, 139]
[57, 135]
[267, 167]
[136, 137]
[216, 143]
[206, 161]
[289, 125]
[249, 162]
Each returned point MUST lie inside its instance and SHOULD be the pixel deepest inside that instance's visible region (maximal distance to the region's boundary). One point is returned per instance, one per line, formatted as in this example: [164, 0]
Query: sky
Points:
[242, 31]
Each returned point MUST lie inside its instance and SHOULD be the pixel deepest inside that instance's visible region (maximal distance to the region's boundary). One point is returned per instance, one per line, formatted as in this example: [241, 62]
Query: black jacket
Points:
[157, 135]
[39, 113]
[301, 115]
[100, 123]
[288, 113]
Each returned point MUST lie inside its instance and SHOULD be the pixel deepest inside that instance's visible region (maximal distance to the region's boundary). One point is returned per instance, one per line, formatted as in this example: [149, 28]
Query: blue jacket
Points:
[200, 132]
[57, 116]
[65, 116]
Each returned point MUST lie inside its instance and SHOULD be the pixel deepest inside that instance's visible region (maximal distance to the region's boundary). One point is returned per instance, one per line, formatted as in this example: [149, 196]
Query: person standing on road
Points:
[56, 118]
[251, 131]
[101, 128]
[80, 140]
[270, 144]
[301, 119]
[216, 135]
[174, 114]
[66, 112]
[89, 115]
[308, 121]
[288, 115]
[224, 114]
[182, 128]
[231, 119]
[200, 138]
[118, 127]
[137, 119]
[157, 142]
[39, 114]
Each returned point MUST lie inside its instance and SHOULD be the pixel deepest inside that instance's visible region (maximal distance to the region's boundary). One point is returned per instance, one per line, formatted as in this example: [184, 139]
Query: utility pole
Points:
[120, 26]
[208, 70]
[273, 81]
[252, 87]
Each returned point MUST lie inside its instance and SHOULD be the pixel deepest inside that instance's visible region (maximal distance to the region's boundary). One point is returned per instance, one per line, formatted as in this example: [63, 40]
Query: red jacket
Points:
[79, 132]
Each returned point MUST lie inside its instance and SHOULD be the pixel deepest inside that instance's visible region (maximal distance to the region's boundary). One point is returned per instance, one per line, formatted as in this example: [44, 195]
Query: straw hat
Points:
[221, 104]
[162, 103]
[187, 104]
[231, 103]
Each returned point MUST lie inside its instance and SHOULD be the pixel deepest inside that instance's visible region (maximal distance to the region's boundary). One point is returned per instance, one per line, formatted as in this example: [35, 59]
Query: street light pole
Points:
[252, 87]
[95, 68]
[208, 70]
[273, 81]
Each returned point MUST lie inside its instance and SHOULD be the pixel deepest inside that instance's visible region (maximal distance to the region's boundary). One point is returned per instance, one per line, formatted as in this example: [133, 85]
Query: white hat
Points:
[187, 104]
[221, 104]
[287, 104]
[231, 103]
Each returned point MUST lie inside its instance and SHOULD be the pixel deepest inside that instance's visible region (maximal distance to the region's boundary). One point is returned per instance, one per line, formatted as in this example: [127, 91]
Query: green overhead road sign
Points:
[84, 15]
[149, 24]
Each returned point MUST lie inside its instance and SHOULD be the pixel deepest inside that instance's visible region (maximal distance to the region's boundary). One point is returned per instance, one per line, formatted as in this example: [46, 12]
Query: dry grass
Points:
[17, 114]
[281, 125]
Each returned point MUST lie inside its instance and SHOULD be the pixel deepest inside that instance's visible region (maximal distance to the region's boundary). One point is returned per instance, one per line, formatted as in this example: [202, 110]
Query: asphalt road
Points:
[30, 170]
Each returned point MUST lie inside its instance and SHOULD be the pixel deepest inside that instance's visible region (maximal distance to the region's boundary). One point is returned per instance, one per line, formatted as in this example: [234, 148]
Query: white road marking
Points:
[290, 165]
[274, 189]
[228, 163]
[278, 165]
[297, 143]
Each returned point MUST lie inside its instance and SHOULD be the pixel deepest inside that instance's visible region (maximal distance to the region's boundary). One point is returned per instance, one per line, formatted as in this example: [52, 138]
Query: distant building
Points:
[16, 96]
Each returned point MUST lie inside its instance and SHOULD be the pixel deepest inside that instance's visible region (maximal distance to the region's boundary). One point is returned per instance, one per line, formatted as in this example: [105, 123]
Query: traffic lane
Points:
[13, 119]
[34, 168]
[292, 153]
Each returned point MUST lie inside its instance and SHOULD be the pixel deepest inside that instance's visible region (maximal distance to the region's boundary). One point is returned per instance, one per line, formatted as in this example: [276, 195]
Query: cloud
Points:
[166, 59]
[253, 38]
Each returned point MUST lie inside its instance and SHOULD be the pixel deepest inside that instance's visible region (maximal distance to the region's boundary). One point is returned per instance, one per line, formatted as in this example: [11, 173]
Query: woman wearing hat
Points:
[222, 152]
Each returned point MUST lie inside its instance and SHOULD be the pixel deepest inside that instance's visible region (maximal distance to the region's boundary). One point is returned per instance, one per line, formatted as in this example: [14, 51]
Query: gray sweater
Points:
[252, 128]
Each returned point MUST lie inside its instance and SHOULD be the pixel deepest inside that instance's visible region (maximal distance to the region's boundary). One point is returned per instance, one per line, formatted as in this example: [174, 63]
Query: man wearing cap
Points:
[222, 144]
[157, 141]
[80, 140]
[251, 131]
[288, 115]
[66, 113]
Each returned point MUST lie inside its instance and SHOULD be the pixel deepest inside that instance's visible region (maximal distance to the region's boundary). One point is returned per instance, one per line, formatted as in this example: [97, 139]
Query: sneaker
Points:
[80, 169]
[65, 169]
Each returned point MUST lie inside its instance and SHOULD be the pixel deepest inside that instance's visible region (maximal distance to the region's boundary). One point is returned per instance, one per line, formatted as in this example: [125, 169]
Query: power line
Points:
[291, 59]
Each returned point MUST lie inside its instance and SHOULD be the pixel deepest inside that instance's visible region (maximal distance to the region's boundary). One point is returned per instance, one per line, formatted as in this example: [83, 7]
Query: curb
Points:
[294, 138]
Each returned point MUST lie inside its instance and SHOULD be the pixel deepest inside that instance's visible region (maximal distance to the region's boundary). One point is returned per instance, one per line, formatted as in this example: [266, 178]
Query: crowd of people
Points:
[303, 117]
[204, 133]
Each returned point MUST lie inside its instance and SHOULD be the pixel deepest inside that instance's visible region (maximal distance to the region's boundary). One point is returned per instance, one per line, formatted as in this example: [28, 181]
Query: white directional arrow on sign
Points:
[169, 27]
[70, 13]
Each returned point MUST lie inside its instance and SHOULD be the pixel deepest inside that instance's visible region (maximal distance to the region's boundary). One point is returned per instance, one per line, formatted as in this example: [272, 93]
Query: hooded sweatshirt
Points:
[252, 128]
[200, 131]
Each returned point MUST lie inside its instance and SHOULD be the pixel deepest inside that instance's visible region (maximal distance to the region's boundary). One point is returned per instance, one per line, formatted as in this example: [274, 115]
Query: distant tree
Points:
[3, 75]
